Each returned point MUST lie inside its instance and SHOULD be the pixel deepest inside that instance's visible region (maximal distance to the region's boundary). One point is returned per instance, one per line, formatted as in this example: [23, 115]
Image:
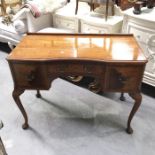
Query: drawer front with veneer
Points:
[123, 78]
[29, 75]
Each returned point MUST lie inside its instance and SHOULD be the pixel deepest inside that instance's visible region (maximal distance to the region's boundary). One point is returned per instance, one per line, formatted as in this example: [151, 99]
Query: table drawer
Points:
[124, 78]
[29, 75]
[75, 69]
[85, 28]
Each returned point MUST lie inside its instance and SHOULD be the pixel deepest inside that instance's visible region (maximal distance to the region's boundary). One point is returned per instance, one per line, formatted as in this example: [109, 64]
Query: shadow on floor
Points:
[148, 90]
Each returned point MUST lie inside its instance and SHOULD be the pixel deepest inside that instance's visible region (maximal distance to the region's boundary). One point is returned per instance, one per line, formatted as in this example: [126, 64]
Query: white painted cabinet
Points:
[86, 21]
[65, 17]
[66, 22]
[92, 24]
[142, 26]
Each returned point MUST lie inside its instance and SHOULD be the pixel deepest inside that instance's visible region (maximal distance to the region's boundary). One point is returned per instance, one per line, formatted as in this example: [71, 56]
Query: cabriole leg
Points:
[122, 98]
[137, 97]
[16, 93]
[38, 95]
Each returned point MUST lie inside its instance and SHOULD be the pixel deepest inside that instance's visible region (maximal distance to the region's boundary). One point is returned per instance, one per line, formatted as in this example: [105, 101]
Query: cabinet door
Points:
[67, 23]
[141, 33]
[124, 78]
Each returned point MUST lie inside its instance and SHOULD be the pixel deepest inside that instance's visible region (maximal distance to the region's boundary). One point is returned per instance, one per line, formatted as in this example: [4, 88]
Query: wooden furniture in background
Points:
[87, 1]
[143, 3]
[125, 4]
[115, 61]
[92, 3]
[108, 4]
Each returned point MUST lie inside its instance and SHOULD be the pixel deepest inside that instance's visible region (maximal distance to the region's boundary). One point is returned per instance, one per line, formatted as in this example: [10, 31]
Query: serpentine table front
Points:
[115, 61]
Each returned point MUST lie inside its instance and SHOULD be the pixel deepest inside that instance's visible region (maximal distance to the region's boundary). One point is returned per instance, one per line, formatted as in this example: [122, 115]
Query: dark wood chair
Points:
[92, 4]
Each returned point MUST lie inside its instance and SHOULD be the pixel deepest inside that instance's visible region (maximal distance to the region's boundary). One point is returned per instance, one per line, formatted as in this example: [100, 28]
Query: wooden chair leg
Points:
[113, 8]
[122, 98]
[91, 6]
[77, 5]
[76, 9]
[106, 11]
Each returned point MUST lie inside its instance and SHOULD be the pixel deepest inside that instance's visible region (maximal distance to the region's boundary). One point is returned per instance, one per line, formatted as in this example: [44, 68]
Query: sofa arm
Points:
[32, 24]
[36, 24]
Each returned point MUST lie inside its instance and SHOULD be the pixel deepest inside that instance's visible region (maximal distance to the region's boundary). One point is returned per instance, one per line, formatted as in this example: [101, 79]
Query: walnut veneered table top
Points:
[78, 46]
[116, 62]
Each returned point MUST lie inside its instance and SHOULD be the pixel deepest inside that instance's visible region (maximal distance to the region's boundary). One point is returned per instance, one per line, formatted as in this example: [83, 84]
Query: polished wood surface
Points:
[84, 47]
[115, 61]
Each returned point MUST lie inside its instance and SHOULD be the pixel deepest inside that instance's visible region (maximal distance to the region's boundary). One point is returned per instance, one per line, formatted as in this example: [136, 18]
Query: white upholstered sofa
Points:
[23, 22]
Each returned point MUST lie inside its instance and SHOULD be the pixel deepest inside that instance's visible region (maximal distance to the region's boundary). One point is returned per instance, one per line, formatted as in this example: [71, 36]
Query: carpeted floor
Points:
[70, 120]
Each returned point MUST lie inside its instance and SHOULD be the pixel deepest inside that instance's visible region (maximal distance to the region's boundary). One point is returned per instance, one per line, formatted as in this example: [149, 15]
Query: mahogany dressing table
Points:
[115, 61]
